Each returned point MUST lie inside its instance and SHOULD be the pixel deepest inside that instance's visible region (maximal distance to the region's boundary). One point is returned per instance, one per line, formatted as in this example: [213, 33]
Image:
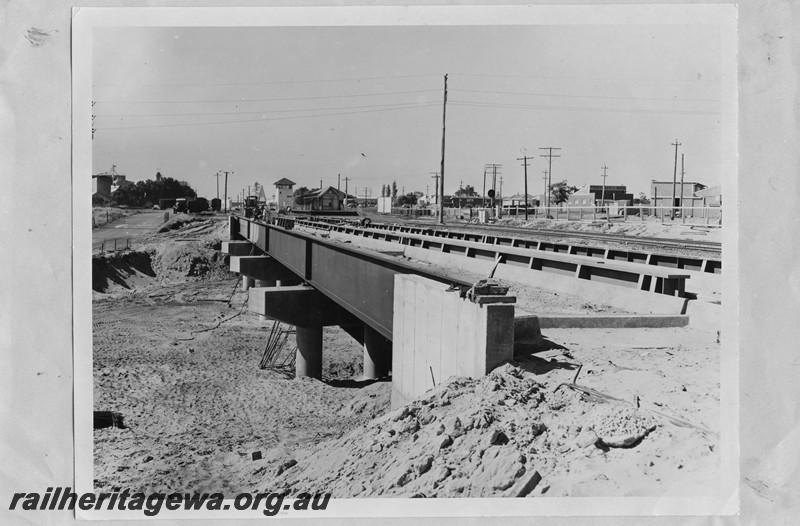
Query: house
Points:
[711, 196]
[661, 193]
[595, 194]
[328, 198]
[518, 200]
[284, 195]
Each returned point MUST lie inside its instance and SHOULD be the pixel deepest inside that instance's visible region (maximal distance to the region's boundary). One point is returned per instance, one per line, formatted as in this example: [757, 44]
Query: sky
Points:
[365, 104]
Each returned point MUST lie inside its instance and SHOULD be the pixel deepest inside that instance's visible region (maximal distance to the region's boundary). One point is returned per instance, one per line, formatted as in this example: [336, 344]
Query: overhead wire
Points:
[580, 96]
[422, 105]
[282, 99]
[262, 111]
[264, 83]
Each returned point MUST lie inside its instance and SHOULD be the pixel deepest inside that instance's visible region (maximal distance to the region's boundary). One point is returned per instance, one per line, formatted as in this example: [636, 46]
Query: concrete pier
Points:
[309, 352]
[248, 282]
[377, 354]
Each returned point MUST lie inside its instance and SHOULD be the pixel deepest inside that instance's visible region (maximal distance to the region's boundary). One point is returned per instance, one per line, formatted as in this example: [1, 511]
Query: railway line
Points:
[707, 248]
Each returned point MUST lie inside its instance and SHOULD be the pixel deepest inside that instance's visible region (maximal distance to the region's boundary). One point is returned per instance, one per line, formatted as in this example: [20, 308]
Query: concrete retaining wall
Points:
[437, 334]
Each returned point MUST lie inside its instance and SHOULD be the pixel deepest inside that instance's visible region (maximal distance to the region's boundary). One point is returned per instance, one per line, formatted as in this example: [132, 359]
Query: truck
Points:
[251, 207]
[164, 204]
[198, 205]
[181, 205]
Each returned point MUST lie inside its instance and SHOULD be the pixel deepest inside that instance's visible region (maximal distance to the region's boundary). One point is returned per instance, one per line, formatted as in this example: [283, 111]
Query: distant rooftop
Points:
[285, 181]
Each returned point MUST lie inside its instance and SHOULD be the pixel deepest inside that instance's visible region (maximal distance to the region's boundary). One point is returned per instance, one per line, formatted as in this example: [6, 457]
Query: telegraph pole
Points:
[544, 195]
[493, 168]
[683, 210]
[501, 190]
[338, 181]
[550, 171]
[346, 179]
[524, 160]
[603, 194]
[674, 176]
[217, 175]
[483, 196]
[441, 188]
[436, 187]
[226, 186]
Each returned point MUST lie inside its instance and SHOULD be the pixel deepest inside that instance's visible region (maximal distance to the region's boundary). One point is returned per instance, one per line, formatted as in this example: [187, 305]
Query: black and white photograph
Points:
[439, 260]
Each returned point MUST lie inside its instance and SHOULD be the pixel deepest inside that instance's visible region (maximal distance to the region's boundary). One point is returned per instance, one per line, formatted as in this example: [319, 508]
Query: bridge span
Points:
[421, 323]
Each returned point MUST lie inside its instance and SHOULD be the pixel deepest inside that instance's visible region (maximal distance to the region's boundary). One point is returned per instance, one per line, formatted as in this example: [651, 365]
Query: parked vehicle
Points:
[181, 205]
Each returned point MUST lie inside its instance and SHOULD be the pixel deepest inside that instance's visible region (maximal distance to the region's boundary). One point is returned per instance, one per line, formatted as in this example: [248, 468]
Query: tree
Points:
[394, 190]
[560, 192]
[143, 192]
[407, 199]
[467, 191]
[642, 199]
[301, 195]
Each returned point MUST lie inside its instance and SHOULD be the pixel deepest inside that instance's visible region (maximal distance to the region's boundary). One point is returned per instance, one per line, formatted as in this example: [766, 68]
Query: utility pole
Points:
[603, 193]
[226, 186]
[483, 196]
[444, 119]
[436, 186]
[683, 210]
[346, 179]
[217, 175]
[674, 177]
[501, 190]
[544, 195]
[524, 160]
[493, 168]
[550, 171]
[338, 181]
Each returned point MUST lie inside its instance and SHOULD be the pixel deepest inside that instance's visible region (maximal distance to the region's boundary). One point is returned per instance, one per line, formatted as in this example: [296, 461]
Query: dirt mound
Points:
[492, 437]
[179, 261]
[126, 270]
[161, 264]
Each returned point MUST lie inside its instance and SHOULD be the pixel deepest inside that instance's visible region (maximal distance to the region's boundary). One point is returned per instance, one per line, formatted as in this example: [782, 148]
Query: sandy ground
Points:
[180, 363]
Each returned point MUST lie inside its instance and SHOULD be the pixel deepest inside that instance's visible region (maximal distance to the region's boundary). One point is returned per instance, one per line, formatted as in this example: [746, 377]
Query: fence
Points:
[709, 215]
[113, 245]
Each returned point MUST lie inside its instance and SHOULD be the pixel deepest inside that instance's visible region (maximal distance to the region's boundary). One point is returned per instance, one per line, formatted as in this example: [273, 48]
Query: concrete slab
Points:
[612, 321]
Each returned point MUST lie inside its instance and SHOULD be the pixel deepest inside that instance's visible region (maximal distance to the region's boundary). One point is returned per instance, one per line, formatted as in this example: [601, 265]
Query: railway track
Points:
[710, 247]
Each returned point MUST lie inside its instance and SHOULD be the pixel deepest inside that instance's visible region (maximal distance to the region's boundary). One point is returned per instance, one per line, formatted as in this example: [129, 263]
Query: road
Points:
[126, 228]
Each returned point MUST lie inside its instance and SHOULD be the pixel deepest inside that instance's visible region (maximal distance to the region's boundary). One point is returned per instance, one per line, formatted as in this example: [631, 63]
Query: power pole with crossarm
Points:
[549, 156]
